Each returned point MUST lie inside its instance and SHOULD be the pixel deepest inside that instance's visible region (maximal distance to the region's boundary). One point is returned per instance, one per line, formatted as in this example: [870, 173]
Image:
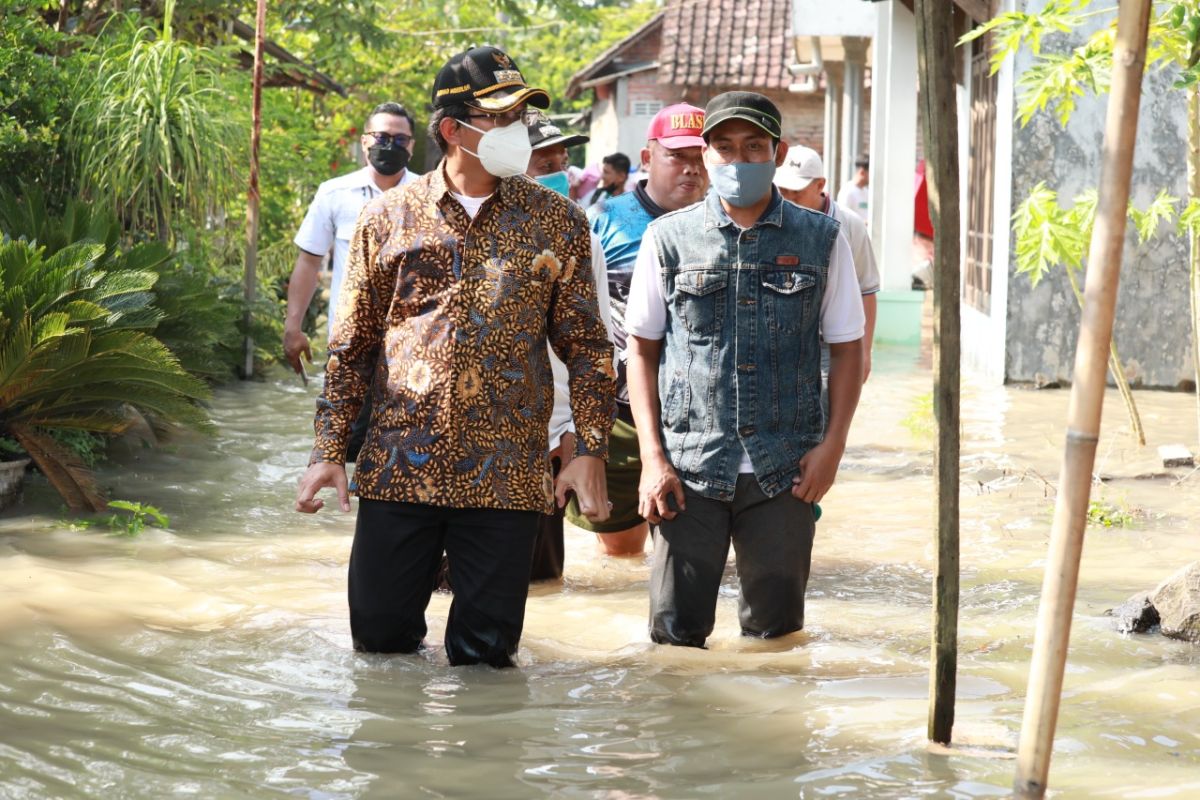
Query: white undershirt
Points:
[842, 318]
[470, 204]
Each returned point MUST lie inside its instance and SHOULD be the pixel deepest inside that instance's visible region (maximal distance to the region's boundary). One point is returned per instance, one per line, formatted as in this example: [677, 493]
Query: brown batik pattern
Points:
[444, 320]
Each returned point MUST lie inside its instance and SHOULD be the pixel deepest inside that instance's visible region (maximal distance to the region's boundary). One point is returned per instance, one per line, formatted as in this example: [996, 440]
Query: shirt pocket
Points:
[789, 299]
[699, 298]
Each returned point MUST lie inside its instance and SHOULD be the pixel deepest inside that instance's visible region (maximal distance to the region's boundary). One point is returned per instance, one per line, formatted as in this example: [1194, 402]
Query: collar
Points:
[715, 215]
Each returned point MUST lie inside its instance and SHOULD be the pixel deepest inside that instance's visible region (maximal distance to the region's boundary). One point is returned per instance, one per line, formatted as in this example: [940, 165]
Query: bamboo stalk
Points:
[1118, 372]
[936, 54]
[249, 287]
[1087, 401]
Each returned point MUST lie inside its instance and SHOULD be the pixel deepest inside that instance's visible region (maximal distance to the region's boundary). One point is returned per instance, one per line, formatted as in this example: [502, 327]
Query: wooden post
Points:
[249, 278]
[936, 53]
[1087, 399]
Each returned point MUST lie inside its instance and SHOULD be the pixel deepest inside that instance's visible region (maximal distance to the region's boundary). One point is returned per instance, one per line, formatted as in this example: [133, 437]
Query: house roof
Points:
[614, 61]
[727, 43]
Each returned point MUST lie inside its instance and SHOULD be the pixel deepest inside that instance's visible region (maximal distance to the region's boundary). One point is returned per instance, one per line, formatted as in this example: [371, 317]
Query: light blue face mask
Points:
[555, 181]
[742, 184]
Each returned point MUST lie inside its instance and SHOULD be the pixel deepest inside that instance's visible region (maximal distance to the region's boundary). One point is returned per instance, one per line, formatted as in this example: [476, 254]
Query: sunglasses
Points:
[388, 140]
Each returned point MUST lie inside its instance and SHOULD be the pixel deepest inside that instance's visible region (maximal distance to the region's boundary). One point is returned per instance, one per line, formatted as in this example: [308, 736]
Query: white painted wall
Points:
[603, 131]
[839, 18]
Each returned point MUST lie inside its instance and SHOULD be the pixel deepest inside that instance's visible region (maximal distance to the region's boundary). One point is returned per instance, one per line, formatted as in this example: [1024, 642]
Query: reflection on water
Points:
[213, 659]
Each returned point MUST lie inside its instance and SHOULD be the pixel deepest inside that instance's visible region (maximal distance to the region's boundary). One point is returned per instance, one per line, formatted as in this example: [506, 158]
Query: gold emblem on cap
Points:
[502, 59]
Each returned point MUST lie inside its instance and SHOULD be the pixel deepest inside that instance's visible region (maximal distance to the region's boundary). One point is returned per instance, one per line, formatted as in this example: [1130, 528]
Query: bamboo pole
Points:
[936, 53]
[250, 278]
[1087, 400]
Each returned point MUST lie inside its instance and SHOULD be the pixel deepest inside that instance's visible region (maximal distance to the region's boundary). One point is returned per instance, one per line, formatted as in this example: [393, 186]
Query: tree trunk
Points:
[249, 277]
[69, 476]
[936, 53]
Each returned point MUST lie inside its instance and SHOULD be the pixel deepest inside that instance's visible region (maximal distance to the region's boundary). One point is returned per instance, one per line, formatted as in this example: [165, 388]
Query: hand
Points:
[585, 476]
[818, 468]
[295, 343]
[322, 475]
[659, 482]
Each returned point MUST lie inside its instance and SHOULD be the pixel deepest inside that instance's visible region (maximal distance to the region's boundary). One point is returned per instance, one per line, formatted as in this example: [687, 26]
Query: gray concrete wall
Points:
[1152, 321]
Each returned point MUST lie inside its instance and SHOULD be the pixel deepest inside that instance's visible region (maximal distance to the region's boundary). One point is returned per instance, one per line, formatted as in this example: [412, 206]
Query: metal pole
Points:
[936, 54]
[1087, 400]
[249, 283]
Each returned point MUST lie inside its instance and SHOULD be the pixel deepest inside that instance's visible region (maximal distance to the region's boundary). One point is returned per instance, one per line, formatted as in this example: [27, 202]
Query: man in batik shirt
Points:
[454, 286]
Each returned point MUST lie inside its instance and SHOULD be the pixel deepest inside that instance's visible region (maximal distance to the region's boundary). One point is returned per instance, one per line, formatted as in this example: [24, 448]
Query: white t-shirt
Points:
[855, 231]
[842, 318]
[471, 205]
[331, 218]
[560, 419]
[858, 200]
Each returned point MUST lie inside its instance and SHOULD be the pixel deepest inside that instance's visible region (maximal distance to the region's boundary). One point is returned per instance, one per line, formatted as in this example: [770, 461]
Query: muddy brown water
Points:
[213, 659]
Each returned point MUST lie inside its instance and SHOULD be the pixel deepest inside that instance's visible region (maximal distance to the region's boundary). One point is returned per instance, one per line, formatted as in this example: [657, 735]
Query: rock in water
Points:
[1178, 602]
[1135, 615]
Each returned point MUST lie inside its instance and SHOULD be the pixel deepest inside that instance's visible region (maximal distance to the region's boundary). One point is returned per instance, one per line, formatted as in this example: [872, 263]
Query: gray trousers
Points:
[772, 540]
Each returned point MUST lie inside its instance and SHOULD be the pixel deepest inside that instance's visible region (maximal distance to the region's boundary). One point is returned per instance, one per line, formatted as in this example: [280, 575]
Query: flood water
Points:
[213, 659]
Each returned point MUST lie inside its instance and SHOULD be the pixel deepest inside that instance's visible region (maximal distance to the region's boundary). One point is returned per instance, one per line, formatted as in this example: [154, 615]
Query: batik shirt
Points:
[444, 319]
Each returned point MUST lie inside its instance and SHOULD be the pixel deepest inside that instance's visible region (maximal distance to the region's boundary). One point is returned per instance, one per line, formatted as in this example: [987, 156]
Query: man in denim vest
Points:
[729, 300]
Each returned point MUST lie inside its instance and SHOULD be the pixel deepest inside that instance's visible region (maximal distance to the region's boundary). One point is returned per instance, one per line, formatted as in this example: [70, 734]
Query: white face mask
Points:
[504, 152]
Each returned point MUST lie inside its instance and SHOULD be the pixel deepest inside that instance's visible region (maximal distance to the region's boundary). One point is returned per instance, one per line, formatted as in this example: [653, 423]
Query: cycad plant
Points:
[75, 355]
[152, 134]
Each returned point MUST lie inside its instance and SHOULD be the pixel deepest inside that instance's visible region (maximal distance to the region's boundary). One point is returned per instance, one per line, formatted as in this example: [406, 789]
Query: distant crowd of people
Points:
[514, 341]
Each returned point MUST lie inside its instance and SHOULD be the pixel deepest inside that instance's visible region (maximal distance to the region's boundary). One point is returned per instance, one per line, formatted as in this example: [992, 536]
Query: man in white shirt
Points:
[801, 180]
[729, 300]
[854, 196]
[329, 223]
[548, 166]
[387, 143]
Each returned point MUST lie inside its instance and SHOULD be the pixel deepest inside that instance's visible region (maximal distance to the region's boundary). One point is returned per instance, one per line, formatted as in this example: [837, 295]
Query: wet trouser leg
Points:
[685, 574]
[772, 538]
[393, 569]
[490, 552]
[772, 542]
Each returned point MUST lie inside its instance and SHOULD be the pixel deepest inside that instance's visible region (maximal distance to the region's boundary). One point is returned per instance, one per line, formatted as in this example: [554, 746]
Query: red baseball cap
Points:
[677, 126]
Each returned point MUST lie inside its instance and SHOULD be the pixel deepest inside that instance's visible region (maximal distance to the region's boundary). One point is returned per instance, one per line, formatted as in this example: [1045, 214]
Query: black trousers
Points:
[772, 538]
[548, 555]
[394, 564]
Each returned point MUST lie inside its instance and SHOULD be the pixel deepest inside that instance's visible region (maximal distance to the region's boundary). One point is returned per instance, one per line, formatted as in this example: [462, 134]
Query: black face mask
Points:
[388, 160]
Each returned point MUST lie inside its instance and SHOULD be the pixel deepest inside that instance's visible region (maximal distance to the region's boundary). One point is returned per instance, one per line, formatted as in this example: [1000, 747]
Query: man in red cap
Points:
[455, 284]
[676, 178]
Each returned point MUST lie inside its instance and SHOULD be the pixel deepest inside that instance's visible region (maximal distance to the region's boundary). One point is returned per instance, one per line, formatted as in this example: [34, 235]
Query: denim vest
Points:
[741, 360]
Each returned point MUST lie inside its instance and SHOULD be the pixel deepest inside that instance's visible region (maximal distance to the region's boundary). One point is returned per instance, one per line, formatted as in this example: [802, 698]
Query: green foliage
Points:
[10, 449]
[920, 420]
[1106, 515]
[72, 350]
[34, 99]
[89, 447]
[152, 134]
[1048, 235]
[1162, 209]
[136, 515]
[1056, 80]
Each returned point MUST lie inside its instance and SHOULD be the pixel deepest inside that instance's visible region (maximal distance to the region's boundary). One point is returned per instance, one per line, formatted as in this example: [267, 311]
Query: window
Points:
[645, 108]
[981, 181]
